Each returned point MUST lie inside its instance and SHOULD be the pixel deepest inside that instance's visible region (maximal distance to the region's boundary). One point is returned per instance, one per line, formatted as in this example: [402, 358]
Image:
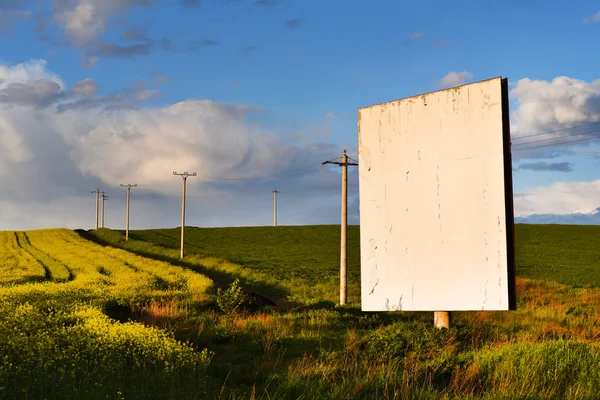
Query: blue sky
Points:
[294, 74]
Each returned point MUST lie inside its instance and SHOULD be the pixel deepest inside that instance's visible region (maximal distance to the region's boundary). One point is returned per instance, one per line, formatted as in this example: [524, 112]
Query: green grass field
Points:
[545, 349]
[295, 263]
[61, 337]
[567, 254]
[301, 263]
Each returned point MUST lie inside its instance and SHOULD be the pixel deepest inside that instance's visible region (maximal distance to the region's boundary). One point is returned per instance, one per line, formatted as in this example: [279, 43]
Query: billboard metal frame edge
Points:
[508, 198]
[434, 91]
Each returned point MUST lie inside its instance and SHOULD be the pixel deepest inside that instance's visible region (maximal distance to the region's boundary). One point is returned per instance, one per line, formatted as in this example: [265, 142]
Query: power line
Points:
[557, 130]
[556, 144]
[267, 177]
[557, 138]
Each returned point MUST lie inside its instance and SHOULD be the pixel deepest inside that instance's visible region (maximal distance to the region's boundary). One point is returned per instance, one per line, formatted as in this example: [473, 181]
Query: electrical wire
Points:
[556, 144]
[557, 138]
[557, 130]
[267, 177]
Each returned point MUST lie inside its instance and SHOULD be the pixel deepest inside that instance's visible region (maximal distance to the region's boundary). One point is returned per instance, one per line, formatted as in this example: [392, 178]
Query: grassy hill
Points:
[301, 263]
[295, 263]
[61, 299]
[568, 254]
[547, 348]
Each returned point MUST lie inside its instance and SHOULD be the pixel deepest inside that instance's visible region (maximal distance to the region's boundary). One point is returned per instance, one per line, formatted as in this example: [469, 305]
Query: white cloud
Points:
[593, 18]
[329, 115]
[86, 87]
[28, 84]
[455, 79]
[83, 24]
[416, 35]
[84, 21]
[553, 106]
[559, 198]
[558, 103]
[28, 72]
[592, 218]
[50, 159]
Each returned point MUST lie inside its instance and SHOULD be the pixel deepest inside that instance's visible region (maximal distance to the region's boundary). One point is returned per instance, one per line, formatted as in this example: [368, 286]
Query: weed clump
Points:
[230, 299]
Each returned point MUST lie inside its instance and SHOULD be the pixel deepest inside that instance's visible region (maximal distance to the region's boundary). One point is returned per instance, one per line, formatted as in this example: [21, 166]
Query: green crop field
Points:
[296, 263]
[64, 302]
[545, 349]
[563, 253]
[301, 263]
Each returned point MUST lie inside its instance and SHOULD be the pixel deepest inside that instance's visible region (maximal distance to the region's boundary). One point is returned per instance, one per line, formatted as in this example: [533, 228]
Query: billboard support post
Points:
[442, 319]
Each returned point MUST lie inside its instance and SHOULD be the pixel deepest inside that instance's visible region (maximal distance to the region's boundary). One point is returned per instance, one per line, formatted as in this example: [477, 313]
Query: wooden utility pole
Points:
[128, 186]
[97, 192]
[184, 176]
[103, 198]
[343, 274]
[275, 207]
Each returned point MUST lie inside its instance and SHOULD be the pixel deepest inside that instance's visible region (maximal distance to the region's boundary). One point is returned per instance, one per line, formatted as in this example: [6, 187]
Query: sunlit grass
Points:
[545, 349]
[56, 340]
[298, 264]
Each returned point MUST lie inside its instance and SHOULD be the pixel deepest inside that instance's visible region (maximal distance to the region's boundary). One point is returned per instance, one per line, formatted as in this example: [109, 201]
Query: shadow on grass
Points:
[295, 350]
[220, 278]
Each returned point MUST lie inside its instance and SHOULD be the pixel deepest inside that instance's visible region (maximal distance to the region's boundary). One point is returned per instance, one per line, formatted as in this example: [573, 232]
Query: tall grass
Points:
[545, 349]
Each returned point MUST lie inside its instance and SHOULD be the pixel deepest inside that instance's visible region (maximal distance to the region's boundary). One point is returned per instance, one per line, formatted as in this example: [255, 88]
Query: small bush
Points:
[232, 298]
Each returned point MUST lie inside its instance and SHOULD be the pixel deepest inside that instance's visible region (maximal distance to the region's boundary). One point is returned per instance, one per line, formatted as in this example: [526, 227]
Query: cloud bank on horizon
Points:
[58, 143]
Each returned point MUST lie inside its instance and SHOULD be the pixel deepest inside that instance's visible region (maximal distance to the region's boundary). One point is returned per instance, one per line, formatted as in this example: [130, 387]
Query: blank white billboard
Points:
[436, 210]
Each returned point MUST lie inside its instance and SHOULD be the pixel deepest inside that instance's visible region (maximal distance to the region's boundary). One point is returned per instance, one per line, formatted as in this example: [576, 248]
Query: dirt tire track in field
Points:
[38, 255]
[47, 272]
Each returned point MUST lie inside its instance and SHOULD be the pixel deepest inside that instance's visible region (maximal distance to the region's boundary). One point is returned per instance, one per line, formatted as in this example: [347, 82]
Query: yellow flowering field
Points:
[56, 340]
